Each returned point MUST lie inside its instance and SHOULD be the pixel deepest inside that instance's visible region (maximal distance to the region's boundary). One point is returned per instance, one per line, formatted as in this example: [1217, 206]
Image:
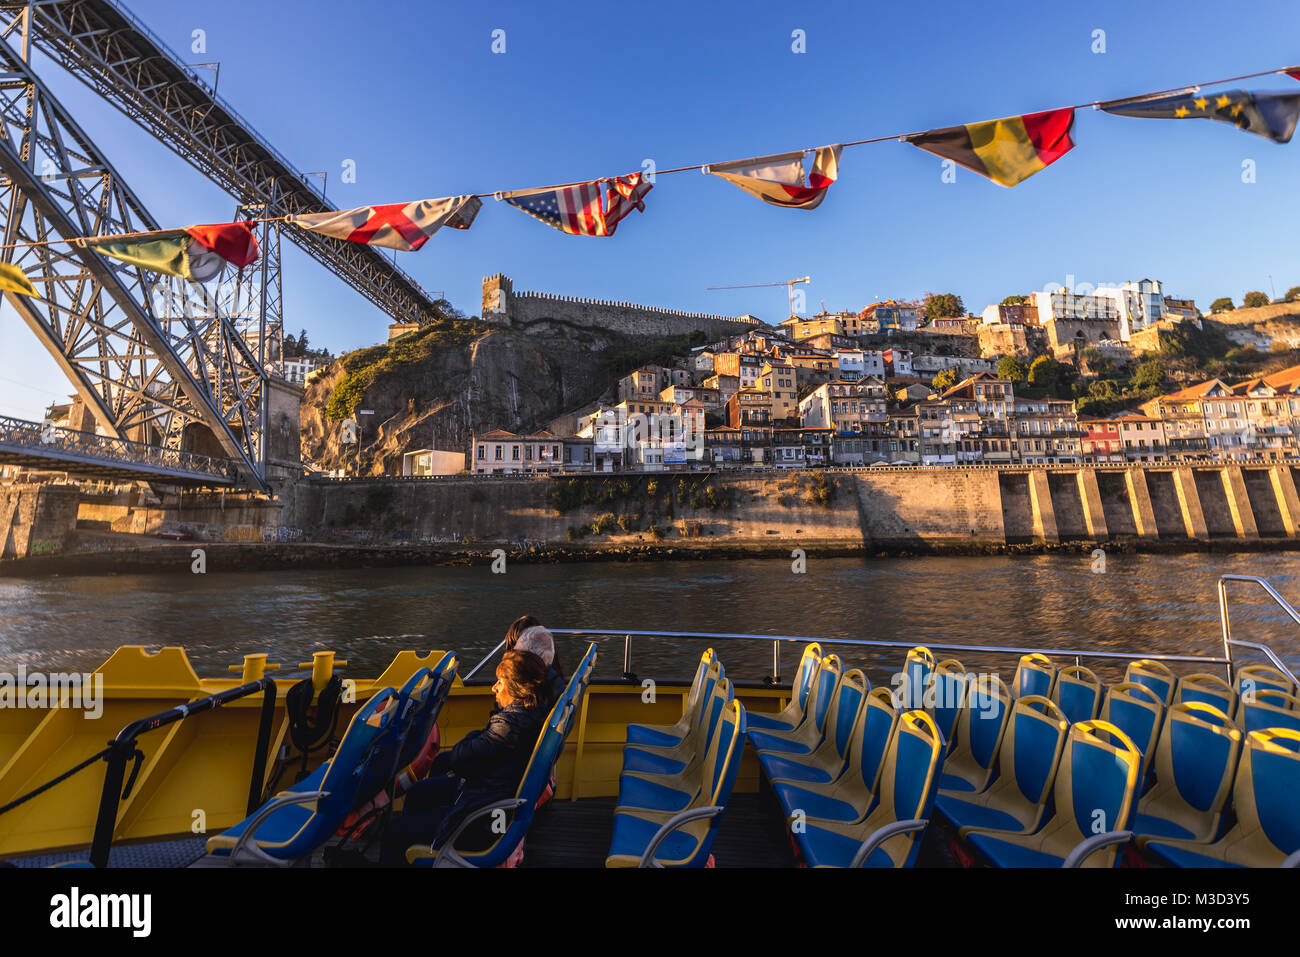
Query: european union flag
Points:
[1272, 115]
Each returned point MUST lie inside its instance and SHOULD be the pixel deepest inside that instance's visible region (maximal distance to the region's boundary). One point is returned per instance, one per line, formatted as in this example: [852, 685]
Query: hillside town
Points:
[888, 386]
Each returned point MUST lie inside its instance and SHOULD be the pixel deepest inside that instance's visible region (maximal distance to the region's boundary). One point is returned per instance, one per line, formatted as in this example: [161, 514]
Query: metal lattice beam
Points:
[114, 54]
[152, 357]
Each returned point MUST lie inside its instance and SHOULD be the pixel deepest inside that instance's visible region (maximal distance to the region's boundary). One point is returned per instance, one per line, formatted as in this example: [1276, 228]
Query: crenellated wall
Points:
[502, 304]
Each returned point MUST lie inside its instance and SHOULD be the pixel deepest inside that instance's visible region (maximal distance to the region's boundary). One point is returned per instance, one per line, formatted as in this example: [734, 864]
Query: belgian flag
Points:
[1270, 115]
[1007, 151]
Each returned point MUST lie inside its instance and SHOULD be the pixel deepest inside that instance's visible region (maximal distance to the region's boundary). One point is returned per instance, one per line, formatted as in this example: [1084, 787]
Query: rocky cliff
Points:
[433, 388]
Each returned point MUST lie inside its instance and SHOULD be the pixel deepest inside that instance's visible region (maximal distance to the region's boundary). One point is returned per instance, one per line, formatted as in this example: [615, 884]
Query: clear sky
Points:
[413, 94]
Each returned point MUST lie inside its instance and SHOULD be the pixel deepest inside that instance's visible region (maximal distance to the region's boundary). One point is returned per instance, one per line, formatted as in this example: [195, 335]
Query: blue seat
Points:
[669, 736]
[297, 821]
[1094, 794]
[804, 738]
[671, 759]
[674, 790]
[793, 714]
[1155, 676]
[911, 683]
[1078, 693]
[521, 809]
[1136, 710]
[1027, 763]
[1267, 831]
[826, 763]
[972, 759]
[1196, 761]
[889, 836]
[1207, 689]
[852, 795]
[1035, 674]
[649, 838]
[1269, 708]
[946, 697]
[1252, 678]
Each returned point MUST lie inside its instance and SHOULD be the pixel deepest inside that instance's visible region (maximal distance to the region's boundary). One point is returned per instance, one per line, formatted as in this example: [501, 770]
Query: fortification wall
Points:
[503, 305]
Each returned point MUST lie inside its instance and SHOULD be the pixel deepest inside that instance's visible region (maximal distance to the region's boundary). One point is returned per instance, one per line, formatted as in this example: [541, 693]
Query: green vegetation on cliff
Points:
[362, 367]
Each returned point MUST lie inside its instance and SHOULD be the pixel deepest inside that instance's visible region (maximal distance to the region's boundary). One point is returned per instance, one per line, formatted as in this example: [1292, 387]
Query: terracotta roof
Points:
[1199, 391]
[499, 434]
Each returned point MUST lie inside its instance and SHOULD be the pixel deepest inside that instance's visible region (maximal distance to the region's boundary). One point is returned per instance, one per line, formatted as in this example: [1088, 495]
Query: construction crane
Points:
[789, 284]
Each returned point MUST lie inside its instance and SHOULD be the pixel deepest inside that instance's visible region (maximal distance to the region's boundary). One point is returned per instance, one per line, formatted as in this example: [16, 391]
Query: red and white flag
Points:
[405, 226]
[779, 179]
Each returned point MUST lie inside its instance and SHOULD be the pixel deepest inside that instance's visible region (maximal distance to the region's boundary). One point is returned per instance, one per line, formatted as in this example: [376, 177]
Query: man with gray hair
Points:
[540, 642]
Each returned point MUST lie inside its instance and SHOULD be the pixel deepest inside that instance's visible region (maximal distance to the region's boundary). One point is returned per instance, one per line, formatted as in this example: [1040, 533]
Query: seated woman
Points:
[484, 766]
[541, 643]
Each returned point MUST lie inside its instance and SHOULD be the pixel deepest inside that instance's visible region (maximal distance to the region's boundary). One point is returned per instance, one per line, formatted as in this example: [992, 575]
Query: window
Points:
[498, 453]
[514, 452]
[482, 451]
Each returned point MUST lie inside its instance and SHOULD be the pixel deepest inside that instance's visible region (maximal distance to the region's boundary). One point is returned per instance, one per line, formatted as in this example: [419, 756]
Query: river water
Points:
[1150, 603]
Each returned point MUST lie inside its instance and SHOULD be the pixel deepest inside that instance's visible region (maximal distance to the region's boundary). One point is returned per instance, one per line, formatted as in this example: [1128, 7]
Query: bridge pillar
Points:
[1189, 504]
[1243, 519]
[1139, 497]
[1094, 518]
[1040, 501]
[1288, 501]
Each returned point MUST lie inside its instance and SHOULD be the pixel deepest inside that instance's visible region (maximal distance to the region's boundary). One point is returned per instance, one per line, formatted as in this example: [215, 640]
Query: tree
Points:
[1103, 389]
[1009, 367]
[1254, 299]
[943, 305]
[1292, 293]
[1043, 373]
[1149, 376]
[946, 379]
[1223, 304]
[290, 346]
[1015, 300]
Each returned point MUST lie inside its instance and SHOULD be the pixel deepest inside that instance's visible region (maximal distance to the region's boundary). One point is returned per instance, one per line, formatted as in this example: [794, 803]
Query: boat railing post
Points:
[627, 658]
[106, 822]
[776, 661]
[1223, 622]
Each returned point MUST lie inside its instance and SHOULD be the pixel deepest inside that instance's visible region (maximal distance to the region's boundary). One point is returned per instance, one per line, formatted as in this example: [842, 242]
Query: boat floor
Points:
[564, 834]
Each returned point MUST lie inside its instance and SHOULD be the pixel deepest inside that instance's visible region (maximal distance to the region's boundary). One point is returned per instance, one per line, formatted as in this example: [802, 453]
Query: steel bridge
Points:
[160, 363]
[37, 445]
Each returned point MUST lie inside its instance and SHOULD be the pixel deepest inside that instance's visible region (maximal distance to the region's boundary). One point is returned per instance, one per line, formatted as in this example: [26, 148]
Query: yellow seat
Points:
[805, 738]
[1196, 761]
[1155, 676]
[827, 761]
[1208, 689]
[981, 725]
[1035, 674]
[1078, 693]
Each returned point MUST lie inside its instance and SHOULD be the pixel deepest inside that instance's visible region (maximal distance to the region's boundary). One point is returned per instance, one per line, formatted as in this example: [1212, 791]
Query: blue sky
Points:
[412, 92]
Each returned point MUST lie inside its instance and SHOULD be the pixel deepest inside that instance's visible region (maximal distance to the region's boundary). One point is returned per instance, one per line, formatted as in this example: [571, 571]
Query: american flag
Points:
[578, 210]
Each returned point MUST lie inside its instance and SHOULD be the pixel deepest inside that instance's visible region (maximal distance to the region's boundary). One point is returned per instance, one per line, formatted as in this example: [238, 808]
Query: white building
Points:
[297, 370]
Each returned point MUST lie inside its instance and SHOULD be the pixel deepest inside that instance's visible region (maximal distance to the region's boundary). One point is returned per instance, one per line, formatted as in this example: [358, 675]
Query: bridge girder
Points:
[148, 354]
[106, 48]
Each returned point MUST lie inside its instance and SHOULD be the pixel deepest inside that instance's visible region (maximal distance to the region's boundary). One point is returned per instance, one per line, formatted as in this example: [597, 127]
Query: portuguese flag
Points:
[1006, 151]
[196, 253]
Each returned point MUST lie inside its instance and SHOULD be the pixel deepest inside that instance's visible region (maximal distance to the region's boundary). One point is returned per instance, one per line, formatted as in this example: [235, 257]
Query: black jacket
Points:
[491, 762]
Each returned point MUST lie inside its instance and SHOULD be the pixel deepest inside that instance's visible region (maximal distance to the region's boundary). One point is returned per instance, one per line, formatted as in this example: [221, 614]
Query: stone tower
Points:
[498, 297]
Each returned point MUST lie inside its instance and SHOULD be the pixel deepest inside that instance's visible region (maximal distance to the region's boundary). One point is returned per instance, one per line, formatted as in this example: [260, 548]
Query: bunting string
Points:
[1006, 151]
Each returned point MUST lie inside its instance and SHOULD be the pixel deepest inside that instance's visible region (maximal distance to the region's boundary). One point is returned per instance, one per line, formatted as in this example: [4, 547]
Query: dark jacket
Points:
[491, 762]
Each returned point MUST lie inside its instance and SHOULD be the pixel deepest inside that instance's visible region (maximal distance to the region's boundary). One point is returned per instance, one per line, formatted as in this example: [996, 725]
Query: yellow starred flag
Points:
[1271, 115]
[13, 279]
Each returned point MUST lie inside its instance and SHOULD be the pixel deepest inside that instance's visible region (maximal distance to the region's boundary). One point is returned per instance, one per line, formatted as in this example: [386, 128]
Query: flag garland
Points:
[1270, 115]
[579, 209]
[1007, 151]
[196, 253]
[404, 226]
[779, 180]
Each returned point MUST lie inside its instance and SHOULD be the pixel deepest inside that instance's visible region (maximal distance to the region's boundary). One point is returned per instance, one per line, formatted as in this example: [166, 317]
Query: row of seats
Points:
[854, 772]
[1016, 756]
[534, 788]
[384, 736]
[1009, 757]
[676, 779]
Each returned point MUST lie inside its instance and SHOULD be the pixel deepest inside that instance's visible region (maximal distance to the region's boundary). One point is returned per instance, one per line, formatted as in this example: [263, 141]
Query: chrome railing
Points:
[1229, 642]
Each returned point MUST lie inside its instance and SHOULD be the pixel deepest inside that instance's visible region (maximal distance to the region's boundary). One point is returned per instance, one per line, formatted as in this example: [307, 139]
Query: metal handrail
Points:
[1229, 642]
[123, 749]
[776, 640]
